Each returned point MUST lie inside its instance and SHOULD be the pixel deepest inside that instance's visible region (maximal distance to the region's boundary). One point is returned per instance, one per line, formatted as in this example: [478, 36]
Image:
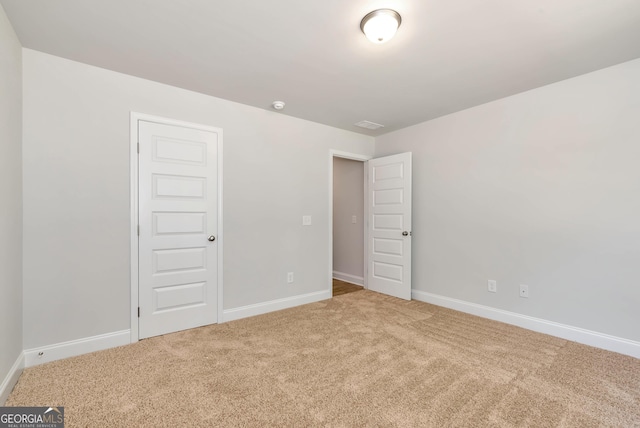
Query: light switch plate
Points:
[306, 220]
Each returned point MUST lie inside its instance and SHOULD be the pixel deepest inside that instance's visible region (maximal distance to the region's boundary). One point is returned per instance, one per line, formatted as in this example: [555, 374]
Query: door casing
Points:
[133, 126]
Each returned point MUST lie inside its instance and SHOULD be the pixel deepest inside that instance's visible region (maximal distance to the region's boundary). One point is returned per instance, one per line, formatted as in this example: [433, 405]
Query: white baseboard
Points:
[575, 334]
[357, 280]
[11, 379]
[274, 305]
[58, 351]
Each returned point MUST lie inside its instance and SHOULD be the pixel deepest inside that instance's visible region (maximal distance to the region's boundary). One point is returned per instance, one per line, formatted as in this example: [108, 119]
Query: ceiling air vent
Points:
[369, 125]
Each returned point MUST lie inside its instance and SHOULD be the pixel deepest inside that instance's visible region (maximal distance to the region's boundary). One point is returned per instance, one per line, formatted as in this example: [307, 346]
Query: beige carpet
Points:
[360, 359]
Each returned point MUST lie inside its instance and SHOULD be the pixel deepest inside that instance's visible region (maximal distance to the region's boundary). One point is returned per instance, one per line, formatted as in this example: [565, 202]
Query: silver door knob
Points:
[211, 238]
[405, 233]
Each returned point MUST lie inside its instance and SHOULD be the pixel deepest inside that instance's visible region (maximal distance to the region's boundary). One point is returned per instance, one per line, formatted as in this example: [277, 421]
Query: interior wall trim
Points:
[563, 331]
[72, 348]
[352, 279]
[274, 305]
[11, 379]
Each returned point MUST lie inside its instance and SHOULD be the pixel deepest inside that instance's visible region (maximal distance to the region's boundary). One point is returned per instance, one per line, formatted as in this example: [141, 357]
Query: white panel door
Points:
[389, 219]
[178, 206]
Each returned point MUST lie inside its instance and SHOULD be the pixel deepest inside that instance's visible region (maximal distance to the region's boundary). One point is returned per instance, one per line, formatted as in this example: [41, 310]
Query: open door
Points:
[389, 219]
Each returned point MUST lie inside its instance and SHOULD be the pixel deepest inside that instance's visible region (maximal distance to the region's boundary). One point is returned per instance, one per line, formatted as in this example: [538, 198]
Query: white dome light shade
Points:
[380, 25]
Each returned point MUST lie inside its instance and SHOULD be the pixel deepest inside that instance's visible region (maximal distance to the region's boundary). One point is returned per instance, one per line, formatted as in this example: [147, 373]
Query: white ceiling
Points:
[448, 55]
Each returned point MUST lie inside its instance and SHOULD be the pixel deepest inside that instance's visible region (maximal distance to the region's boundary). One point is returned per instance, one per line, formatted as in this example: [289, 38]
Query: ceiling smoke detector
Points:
[278, 105]
[369, 125]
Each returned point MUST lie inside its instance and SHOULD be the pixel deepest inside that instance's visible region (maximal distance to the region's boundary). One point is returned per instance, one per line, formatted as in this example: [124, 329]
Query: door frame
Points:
[361, 158]
[133, 180]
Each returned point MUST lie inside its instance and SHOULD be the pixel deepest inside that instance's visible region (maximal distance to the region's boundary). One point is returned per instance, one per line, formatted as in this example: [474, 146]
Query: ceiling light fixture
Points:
[380, 25]
[278, 105]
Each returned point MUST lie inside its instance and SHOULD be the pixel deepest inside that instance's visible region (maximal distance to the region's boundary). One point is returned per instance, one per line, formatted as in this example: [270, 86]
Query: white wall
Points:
[541, 188]
[10, 202]
[76, 196]
[348, 237]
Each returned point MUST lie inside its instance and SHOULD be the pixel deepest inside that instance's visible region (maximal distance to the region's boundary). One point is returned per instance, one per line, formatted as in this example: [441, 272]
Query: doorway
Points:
[348, 229]
[348, 226]
[386, 223]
